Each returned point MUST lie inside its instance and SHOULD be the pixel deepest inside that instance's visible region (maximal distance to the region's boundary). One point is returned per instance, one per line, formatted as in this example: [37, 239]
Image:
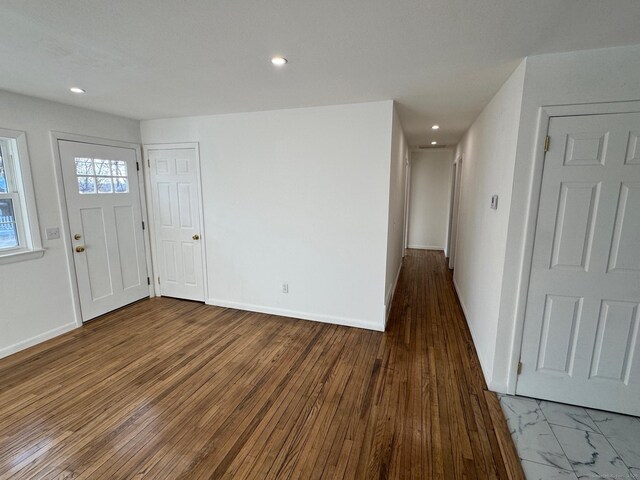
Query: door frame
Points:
[62, 200]
[545, 113]
[454, 208]
[452, 194]
[152, 223]
[407, 199]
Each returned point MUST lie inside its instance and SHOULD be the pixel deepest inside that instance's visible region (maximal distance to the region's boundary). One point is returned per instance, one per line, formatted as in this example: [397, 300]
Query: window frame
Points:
[20, 190]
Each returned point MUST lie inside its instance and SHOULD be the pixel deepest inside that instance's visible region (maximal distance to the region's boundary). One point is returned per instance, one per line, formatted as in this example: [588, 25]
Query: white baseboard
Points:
[483, 364]
[30, 342]
[390, 294]
[347, 322]
[425, 247]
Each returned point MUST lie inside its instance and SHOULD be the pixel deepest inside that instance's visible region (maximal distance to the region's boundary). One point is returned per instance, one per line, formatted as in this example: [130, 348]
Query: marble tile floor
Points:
[557, 441]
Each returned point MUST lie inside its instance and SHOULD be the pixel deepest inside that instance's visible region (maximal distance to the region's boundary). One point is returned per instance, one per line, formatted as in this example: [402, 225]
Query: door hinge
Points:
[148, 281]
[143, 224]
[519, 368]
[158, 279]
[547, 140]
[137, 166]
[149, 162]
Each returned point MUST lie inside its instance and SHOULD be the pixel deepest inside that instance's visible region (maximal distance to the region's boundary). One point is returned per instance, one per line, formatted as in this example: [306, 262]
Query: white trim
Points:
[452, 193]
[545, 114]
[42, 337]
[21, 256]
[407, 202]
[152, 224]
[390, 295]
[455, 210]
[603, 108]
[25, 208]
[73, 137]
[348, 322]
[142, 188]
[498, 387]
[426, 247]
[66, 229]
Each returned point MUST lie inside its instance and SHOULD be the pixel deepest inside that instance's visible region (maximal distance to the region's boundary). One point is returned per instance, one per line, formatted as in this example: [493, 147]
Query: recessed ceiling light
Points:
[77, 90]
[434, 143]
[279, 61]
[435, 127]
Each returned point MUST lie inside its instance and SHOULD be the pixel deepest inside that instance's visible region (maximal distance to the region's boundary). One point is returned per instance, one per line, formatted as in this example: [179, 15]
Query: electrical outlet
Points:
[285, 288]
[52, 233]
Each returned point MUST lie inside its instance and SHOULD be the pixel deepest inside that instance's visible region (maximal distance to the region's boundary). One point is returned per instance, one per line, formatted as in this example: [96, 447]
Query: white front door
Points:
[580, 342]
[175, 191]
[105, 218]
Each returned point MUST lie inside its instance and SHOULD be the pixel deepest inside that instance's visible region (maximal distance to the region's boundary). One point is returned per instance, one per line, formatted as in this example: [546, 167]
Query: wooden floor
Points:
[174, 389]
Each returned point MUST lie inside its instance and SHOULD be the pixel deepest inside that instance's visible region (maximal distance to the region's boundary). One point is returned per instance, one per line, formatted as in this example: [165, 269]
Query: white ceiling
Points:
[442, 60]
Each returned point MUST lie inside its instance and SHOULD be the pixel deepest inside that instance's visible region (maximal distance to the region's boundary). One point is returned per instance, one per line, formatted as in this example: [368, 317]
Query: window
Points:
[19, 234]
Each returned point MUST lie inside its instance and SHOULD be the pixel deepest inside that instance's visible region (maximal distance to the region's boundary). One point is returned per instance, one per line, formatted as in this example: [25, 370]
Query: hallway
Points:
[167, 388]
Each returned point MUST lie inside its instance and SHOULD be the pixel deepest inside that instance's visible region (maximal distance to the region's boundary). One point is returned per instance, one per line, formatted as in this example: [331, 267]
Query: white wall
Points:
[36, 295]
[605, 75]
[297, 196]
[488, 149]
[429, 198]
[499, 152]
[397, 195]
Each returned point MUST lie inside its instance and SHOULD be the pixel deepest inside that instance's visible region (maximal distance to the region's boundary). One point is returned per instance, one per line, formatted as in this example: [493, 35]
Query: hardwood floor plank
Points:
[172, 389]
[507, 448]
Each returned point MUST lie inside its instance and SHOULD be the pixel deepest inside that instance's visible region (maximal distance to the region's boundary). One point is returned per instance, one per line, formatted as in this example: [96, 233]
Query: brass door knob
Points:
[196, 237]
[77, 236]
[80, 249]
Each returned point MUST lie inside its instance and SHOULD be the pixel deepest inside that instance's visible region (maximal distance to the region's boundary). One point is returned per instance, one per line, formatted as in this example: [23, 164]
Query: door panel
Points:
[175, 189]
[105, 217]
[168, 253]
[561, 317]
[586, 148]
[626, 237]
[574, 225]
[615, 340]
[184, 204]
[164, 205]
[96, 259]
[190, 270]
[633, 149]
[580, 341]
[126, 227]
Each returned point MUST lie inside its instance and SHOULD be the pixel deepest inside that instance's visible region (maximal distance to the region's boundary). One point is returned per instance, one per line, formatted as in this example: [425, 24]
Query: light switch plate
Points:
[494, 202]
[53, 233]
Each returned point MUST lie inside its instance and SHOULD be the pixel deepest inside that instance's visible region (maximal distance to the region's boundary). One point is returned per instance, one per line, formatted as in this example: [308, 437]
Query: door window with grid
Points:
[101, 176]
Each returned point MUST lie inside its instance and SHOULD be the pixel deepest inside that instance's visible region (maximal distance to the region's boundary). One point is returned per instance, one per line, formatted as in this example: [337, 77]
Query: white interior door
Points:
[580, 342]
[176, 198]
[105, 217]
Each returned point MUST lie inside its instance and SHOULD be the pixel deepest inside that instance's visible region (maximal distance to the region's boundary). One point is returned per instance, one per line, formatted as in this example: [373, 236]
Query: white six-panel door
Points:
[175, 191]
[105, 218]
[581, 334]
